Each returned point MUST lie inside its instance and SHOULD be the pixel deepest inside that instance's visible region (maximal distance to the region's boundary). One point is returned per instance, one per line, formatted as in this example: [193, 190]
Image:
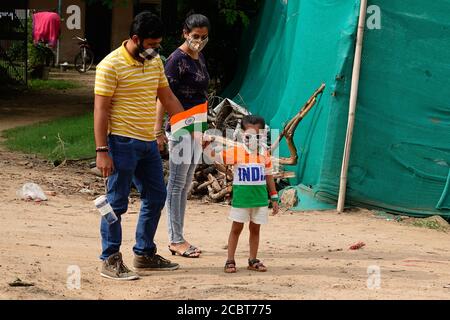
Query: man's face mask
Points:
[196, 45]
[149, 53]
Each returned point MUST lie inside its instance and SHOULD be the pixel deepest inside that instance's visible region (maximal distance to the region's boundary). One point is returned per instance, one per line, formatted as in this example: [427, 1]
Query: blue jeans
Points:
[137, 162]
[185, 154]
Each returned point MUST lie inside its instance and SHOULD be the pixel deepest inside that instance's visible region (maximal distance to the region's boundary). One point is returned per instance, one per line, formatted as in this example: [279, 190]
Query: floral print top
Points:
[188, 78]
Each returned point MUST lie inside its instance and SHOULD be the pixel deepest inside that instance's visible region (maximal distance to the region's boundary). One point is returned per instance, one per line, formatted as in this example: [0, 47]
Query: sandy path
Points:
[29, 107]
[40, 241]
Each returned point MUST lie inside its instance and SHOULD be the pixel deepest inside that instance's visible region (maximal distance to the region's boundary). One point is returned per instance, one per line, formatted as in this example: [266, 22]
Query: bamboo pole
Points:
[58, 43]
[352, 105]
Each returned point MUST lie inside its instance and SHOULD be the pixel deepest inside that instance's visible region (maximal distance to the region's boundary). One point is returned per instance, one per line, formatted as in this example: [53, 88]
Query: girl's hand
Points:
[275, 208]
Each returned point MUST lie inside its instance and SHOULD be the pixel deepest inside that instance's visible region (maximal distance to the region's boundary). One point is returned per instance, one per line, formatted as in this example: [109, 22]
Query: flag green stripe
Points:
[200, 127]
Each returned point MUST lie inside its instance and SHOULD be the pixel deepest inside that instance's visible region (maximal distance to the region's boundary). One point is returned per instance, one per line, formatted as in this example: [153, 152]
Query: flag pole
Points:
[352, 105]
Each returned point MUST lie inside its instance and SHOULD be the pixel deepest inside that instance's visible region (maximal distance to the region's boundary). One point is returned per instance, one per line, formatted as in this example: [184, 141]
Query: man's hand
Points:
[105, 164]
[275, 208]
[102, 106]
[162, 141]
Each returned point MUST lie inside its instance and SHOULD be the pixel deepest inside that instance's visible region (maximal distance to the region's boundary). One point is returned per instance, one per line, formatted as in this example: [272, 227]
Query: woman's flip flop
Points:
[189, 253]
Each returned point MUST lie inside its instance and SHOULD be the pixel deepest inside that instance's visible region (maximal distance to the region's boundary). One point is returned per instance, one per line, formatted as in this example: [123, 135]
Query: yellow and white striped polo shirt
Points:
[133, 87]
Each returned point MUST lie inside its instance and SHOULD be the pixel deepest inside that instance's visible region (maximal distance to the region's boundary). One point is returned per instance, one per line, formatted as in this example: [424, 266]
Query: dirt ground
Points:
[22, 108]
[307, 253]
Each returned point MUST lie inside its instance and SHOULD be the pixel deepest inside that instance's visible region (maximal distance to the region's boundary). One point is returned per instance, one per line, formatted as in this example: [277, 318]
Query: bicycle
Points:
[85, 58]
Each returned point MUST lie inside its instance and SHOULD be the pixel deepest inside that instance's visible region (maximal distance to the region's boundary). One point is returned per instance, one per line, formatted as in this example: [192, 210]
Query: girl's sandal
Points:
[230, 266]
[256, 265]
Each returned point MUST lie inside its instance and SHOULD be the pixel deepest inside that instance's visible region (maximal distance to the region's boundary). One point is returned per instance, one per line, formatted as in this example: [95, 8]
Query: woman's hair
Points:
[147, 25]
[253, 120]
[196, 21]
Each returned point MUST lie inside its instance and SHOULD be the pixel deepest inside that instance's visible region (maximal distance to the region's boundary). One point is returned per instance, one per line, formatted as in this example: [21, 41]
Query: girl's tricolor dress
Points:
[191, 120]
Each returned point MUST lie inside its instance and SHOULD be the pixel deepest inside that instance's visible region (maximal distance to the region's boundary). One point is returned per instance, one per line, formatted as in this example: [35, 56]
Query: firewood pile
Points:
[213, 183]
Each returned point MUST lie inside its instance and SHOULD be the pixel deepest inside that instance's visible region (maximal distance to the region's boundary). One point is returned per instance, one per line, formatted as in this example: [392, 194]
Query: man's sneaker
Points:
[114, 268]
[153, 263]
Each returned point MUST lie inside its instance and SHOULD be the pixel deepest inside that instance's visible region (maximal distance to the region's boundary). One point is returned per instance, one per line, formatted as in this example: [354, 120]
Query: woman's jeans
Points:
[138, 162]
[185, 154]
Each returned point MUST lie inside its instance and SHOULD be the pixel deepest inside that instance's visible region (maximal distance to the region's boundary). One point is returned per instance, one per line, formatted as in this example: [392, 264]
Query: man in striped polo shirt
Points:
[127, 84]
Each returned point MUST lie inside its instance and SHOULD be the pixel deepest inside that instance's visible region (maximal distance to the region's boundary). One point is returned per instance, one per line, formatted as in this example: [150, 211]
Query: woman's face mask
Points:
[197, 45]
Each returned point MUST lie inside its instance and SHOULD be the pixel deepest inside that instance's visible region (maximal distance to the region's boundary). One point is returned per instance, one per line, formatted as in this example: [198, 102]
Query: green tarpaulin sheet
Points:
[400, 159]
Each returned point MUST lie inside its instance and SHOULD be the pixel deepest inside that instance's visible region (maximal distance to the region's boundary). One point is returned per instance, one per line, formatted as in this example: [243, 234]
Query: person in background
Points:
[127, 83]
[188, 78]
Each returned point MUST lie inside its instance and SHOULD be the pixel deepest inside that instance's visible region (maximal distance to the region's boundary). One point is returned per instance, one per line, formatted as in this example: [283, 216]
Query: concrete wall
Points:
[122, 16]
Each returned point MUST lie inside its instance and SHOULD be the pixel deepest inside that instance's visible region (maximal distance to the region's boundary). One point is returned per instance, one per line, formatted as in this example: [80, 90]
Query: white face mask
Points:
[196, 45]
[255, 142]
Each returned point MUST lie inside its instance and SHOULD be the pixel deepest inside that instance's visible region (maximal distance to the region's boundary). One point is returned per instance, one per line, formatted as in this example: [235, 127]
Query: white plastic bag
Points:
[31, 191]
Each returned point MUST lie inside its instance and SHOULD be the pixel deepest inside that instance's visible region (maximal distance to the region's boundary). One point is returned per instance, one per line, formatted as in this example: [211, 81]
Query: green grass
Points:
[39, 84]
[66, 138]
[428, 224]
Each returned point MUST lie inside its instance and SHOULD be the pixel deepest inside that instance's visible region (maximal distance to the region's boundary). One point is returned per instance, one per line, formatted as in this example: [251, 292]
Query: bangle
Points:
[274, 196]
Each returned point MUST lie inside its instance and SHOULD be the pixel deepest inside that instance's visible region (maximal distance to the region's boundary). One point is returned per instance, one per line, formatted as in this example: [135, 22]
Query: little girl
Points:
[252, 178]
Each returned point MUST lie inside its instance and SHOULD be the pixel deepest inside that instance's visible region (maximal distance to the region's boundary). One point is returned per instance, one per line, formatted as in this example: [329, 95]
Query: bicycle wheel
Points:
[84, 60]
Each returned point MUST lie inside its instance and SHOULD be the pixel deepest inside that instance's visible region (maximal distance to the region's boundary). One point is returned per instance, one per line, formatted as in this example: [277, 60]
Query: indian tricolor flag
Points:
[194, 119]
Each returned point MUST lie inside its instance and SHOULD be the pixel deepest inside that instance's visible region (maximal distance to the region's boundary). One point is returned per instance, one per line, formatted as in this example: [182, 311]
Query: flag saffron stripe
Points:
[201, 108]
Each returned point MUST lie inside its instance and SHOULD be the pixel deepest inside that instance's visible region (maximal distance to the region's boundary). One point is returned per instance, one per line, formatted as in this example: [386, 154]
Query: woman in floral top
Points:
[188, 78]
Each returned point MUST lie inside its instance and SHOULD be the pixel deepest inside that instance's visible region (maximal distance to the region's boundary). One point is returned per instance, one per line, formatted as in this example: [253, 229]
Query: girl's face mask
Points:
[196, 45]
[255, 141]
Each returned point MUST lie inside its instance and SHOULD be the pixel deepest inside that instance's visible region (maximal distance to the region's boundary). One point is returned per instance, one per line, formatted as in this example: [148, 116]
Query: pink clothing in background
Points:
[46, 27]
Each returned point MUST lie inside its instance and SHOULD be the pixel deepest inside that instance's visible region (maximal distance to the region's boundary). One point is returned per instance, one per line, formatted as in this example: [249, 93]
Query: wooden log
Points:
[202, 172]
[221, 167]
[204, 185]
[219, 195]
[291, 126]
[284, 175]
[214, 183]
[192, 189]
